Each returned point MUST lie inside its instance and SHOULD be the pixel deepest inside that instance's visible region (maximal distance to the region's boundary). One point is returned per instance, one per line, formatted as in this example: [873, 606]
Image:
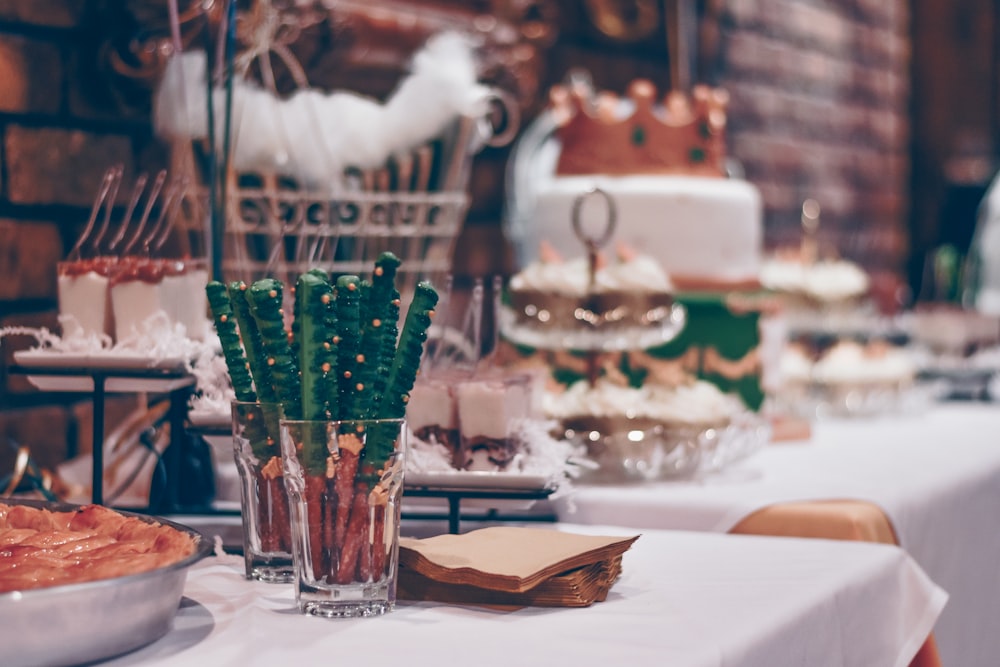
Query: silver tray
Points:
[94, 620]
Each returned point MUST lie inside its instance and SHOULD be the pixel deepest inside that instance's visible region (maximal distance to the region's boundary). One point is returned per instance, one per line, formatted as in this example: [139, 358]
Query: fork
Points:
[161, 229]
[110, 182]
[140, 229]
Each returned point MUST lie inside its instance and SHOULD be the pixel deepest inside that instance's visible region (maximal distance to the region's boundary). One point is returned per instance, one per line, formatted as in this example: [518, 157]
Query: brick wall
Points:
[819, 108]
[57, 135]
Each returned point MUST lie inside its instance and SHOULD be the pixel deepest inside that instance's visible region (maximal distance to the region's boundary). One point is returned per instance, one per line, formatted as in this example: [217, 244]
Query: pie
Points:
[41, 548]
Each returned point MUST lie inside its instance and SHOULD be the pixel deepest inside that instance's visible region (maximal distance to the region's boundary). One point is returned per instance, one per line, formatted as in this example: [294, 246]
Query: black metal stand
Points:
[100, 376]
[455, 497]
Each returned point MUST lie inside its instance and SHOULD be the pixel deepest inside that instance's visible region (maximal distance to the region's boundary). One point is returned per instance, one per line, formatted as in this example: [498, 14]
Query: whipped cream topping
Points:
[571, 278]
[849, 362]
[431, 403]
[642, 273]
[827, 281]
[795, 366]
[699, 402]
[489, 407]
[568, 278]
[604, 399]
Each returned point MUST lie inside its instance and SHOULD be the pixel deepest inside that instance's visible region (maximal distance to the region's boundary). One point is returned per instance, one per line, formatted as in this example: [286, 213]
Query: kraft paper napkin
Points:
[581, 587]
[506, 558]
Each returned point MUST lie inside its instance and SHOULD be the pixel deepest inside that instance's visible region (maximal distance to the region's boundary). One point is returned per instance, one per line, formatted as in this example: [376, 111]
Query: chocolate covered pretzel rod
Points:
[356, 557]
[348, 341]
[318, 364]
[261, 429]
[253, 346]
[390, 333]
[296, 336]
[403, 373]
[377, 336]
[317, 358]
[229, 337]
[265, 297]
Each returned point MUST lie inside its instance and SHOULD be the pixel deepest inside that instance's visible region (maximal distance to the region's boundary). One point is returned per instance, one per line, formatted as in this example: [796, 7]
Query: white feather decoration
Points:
[313, 136]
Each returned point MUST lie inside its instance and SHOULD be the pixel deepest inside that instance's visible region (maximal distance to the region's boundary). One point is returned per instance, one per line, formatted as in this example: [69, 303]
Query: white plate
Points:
[209, 419]
[101, 360]
[85, 385]
[83, 363]
[466, 479]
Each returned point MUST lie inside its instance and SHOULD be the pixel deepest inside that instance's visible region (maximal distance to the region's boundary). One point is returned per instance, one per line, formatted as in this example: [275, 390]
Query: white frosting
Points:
[698, 227]
[187, 302]
[642, 273]
[604, 399]
[490, 408]
[572, 278]
[827, 281]
[431, 404]
[566, 278]
[135, 302]
[696, 403]
[83, 300]
[796, 367]
[848, 362]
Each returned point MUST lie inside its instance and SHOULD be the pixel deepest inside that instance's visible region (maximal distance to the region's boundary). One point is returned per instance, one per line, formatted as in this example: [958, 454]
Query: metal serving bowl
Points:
[94, 620]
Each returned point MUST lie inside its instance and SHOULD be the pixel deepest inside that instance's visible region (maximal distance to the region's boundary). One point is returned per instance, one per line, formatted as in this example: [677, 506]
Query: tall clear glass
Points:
[345, 486]
[267, 547]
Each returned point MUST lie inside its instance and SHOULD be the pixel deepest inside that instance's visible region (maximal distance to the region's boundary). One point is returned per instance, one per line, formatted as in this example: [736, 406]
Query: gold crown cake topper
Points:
[683, 135]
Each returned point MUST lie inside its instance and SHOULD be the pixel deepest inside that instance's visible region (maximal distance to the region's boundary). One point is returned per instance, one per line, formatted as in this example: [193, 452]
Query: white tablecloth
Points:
[684, 600]
[936, 476]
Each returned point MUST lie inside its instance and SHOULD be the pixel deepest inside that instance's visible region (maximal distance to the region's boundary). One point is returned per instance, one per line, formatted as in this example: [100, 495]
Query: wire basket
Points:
[413, 207]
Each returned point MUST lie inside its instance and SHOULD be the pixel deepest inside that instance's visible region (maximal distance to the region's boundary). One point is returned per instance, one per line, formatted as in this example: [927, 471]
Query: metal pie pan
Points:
[95, 620]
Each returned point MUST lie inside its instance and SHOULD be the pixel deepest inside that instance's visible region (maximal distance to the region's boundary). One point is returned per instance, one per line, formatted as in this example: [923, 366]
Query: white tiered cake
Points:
[702, 230]
[663, 166]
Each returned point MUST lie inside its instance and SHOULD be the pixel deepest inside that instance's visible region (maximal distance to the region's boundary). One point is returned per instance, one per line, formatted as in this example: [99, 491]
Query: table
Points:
[933, 479]
[685, 600]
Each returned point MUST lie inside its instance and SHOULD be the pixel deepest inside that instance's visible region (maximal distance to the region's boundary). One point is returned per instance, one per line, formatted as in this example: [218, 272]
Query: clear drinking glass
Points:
[267, 539]
[345, 484]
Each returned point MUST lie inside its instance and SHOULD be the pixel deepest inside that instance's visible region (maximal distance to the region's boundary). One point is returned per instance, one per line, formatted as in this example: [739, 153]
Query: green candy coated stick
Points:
[317, 359]
[408, 352]
[232, 350]
[377, 336]
[403, 373]
[348, 340]
[252, 343]
[317, 362]
[296, 336]
[265, 297]
[391, 332]
[261, 432]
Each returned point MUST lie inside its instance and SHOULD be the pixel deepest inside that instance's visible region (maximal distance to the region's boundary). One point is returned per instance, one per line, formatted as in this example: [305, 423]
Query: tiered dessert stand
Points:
[600, 324]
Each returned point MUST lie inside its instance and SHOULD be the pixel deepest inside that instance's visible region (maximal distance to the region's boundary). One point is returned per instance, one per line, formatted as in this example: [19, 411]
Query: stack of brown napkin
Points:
[511, 567]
